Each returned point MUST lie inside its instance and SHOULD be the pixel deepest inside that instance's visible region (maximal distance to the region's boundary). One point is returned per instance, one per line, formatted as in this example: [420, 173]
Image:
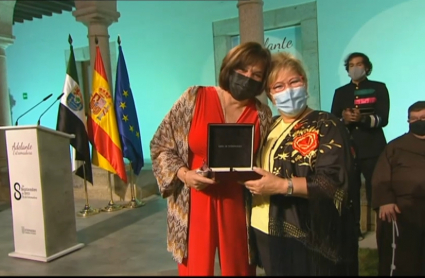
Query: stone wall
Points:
[145, 186]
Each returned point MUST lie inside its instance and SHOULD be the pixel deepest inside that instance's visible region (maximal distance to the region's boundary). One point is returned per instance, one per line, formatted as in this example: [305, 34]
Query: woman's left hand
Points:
[269, 184]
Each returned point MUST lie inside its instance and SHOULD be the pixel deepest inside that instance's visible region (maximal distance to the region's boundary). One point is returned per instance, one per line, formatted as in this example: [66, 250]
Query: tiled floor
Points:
[125, 242]
[369, 241]
[129, 242]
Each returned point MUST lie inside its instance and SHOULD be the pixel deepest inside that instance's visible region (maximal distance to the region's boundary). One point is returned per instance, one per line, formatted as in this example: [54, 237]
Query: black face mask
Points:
[242, 87]
[417, 127]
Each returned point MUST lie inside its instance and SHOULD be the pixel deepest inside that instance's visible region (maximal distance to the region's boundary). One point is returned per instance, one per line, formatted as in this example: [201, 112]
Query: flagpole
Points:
[87, 210]
[111, 205]
[137, 201]
[134, 202]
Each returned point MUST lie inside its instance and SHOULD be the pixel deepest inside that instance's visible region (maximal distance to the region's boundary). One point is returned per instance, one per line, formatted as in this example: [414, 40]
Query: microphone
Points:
[59, 97]
[44, 99]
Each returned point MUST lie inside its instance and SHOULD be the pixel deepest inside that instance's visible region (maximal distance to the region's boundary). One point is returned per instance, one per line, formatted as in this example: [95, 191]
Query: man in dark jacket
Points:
[363, 105]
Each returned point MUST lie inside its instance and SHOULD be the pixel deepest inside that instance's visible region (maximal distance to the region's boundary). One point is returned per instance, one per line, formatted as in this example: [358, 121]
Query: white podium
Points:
[42, 195]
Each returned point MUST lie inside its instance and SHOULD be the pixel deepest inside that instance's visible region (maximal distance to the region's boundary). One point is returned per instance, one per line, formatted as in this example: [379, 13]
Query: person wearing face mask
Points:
[302, 217]
[363, 106]
[398, 187]
[205, 215]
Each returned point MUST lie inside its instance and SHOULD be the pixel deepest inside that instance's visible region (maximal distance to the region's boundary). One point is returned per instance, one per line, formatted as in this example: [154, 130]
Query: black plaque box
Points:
[230, 147]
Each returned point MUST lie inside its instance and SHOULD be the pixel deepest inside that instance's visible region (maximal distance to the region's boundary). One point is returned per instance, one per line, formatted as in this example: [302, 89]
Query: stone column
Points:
[6, 39]
[251, 27]
[97, 16]
[5, 113]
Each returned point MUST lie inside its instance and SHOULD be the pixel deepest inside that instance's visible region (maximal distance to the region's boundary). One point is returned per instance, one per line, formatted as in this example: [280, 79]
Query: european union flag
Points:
[128, 124]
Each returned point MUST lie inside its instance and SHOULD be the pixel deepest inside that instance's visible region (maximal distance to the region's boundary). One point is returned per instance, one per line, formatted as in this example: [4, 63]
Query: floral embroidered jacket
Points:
[317, 148]
[170, 151]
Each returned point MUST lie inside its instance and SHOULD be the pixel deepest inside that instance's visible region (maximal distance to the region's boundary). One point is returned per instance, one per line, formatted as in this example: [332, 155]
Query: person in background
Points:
[203, 214]
[301, 217]
[363, 106]
[398, 187]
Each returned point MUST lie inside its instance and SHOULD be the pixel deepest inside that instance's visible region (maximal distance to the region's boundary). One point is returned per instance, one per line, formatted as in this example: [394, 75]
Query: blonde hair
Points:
[287, 61]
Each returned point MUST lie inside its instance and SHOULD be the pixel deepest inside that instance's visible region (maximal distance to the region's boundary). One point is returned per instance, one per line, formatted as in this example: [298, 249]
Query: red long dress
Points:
[217, 216]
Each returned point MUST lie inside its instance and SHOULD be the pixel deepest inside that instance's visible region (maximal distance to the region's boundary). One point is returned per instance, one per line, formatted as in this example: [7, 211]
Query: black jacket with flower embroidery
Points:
[318, 149]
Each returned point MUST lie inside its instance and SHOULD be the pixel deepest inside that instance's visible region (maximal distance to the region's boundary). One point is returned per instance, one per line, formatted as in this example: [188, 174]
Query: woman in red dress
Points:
[204, 214]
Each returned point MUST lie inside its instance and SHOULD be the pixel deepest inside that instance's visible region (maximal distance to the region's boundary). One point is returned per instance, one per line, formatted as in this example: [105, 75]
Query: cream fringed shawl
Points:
[170, 151]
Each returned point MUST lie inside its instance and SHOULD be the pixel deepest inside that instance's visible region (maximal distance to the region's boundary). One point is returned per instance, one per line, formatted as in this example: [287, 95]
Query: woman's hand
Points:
[269, 184]
[196, 180]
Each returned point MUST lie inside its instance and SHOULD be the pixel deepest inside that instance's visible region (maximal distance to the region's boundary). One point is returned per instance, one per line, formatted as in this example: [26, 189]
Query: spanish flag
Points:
[102, 125]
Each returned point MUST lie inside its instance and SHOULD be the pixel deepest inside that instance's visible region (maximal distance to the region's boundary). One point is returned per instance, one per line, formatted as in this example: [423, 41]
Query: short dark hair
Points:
[415, 107]
[366, 61]
[241, 56]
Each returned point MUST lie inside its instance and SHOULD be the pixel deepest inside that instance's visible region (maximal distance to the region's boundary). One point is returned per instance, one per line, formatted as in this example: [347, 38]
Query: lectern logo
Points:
[28, 231]
[19, 148]
[24, 192]
[17, 193]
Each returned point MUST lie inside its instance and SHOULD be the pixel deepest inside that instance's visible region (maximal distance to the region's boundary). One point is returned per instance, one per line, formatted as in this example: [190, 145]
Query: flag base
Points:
[112, 207]
[135, 203]
[87, 211]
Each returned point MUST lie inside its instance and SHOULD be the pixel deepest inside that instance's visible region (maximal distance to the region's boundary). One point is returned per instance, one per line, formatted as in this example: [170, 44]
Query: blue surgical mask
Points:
[291, 101]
